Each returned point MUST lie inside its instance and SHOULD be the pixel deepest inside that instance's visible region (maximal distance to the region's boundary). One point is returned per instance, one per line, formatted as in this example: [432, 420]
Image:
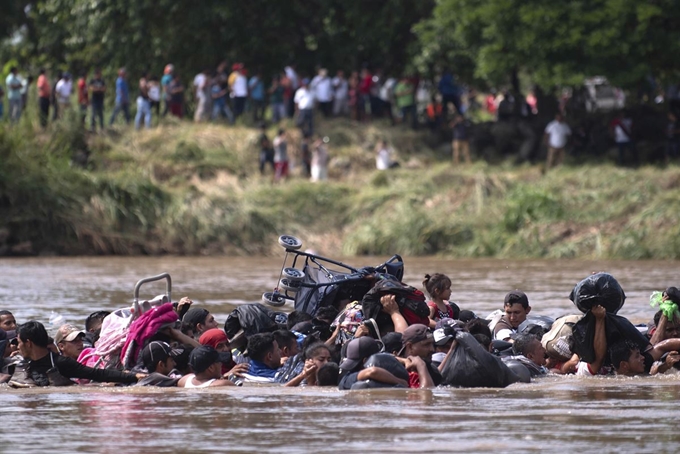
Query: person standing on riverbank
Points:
[13, 84]
[122, 98]
[280, 156]
[304, 103]
[556, 136]
[461, 139]
[622, 130]
[83, 97]
[98, 88]
[44, 91]
[319, 165]
[143, 104]
[64, 89]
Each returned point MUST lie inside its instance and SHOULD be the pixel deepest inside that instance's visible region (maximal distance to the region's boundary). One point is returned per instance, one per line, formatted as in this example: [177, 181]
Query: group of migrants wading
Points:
[350, 328]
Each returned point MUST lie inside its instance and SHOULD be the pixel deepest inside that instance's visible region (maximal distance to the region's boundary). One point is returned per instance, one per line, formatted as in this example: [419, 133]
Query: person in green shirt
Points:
[14, 86]
[404, 93]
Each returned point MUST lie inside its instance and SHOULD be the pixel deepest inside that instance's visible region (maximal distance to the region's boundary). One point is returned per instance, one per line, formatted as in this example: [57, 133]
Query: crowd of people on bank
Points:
[228, 93]
[160, 343]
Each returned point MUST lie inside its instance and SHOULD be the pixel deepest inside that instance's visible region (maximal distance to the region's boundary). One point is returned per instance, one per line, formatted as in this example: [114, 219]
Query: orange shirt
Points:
[43, 86]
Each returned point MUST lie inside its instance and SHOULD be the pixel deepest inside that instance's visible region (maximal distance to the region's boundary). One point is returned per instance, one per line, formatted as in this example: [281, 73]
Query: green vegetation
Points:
[188, 189]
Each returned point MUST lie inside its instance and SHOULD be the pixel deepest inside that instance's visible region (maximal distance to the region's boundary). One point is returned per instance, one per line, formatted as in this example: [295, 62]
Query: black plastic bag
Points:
[252, 318]
[598, 289]
[385, 361]
[410, 300]
[617, 328]
[471, 366]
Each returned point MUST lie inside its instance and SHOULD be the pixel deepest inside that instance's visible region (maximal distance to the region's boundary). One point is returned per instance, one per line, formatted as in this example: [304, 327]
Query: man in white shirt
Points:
[239, 91]
[202, 85]
[304, 103]
[556, 135]
[323, 92]
[340, 95]
[63, 91]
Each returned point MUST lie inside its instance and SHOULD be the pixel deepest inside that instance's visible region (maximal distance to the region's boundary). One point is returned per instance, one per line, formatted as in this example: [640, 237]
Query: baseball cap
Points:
[415, 333]
[358, 350]
[203, 357]
[158, 351]
[466, 316]
[515, 297]
[67, 333]
[392, 342]
[441, 338]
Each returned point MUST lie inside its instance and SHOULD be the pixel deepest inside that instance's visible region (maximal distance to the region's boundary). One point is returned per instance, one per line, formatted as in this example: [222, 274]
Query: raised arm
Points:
[381, 375]
[600, 340]
[389, 304]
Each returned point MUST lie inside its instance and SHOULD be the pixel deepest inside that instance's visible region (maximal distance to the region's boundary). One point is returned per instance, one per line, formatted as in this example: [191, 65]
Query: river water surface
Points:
[557, 413]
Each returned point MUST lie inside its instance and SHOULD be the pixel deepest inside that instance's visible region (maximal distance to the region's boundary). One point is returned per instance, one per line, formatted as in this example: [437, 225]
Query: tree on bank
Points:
[147, 34]
[556, 43]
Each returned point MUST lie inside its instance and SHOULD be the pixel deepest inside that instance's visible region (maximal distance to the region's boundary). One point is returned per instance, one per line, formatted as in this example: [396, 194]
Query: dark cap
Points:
[194, 316]
[515, 297]
[157, 351]
[392, 342]
[466, 316]
[415, 333]
[358, 350]
[442, 336]
[203, 357]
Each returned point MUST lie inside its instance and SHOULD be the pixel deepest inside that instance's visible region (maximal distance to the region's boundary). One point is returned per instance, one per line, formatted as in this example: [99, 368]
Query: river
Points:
[566, 413]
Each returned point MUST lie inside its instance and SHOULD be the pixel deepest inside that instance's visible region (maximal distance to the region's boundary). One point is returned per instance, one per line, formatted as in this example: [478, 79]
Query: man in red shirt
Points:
[44, 91]
[416, 354]
[83, 97]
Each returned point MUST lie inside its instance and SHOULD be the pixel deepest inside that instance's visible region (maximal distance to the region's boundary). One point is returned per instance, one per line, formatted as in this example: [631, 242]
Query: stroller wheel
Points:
[274, 299]
[293, 274]
[289, 286]
[290, 242]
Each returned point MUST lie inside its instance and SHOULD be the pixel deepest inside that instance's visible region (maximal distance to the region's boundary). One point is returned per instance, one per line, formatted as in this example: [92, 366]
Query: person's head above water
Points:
[287, 342]
[438, 286]
[530, 347]
[418, 341]
[205, 362]
[33, 340]
[626, 358]
[358, 351]
[516, 307]
[263, 348]
[199, 320]
[7, 321]
[159, 357]
[69, 340]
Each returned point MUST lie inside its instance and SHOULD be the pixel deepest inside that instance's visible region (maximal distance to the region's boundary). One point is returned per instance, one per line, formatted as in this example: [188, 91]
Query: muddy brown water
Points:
[556, 413]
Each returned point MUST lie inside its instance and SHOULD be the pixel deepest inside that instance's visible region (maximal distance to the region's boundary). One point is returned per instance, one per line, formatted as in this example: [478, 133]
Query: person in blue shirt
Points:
[265, 358]
[122, 98]
[257, 96]
[450, 93]
[166, 80]
[14, 86]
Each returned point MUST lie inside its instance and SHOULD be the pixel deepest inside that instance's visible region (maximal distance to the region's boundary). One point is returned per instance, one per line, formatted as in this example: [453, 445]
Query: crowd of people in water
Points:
[160, 343]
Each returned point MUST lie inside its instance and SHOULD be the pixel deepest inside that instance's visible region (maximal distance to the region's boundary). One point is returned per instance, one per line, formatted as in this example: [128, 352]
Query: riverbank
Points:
[187, 189]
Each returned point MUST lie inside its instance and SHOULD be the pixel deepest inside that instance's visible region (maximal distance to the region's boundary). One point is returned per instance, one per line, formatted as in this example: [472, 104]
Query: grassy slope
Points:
[187, 189]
